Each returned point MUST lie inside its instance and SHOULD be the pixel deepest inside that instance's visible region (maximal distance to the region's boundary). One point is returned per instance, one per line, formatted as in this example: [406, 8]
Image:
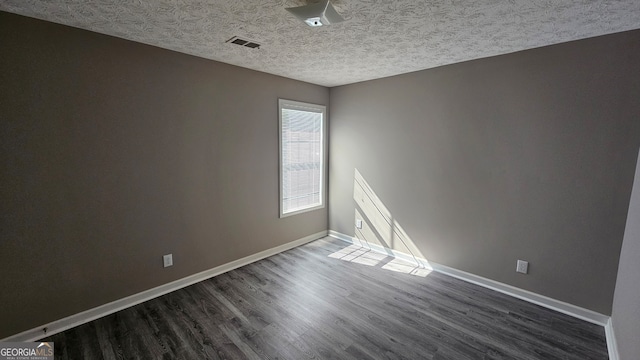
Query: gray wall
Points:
[626, 301]
[114, 153]
[527, 156]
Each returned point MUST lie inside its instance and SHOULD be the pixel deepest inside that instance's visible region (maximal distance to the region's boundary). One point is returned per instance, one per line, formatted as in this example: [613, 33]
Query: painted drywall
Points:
[529, 155]
[114, 153]
[626, 300]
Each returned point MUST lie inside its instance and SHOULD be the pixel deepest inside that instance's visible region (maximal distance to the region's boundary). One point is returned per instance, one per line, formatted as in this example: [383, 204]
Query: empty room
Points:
[345, 179]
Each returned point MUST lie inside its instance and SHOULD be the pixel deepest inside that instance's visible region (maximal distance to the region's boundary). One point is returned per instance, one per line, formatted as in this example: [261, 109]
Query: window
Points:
[302, 157]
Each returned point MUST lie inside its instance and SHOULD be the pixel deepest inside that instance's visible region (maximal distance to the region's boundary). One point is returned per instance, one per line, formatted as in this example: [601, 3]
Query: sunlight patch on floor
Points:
[364, 256]
[404, 267]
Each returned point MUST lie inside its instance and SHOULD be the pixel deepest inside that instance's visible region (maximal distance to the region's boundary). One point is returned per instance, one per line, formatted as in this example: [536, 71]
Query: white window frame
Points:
[297, 105]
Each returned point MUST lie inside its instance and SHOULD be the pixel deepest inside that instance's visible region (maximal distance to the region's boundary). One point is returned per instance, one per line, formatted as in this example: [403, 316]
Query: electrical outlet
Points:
[359, 223]
[167, 260]
[522, 266]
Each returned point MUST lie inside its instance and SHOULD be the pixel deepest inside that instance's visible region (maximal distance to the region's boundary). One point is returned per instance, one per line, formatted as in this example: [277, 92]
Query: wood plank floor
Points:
[326, 300]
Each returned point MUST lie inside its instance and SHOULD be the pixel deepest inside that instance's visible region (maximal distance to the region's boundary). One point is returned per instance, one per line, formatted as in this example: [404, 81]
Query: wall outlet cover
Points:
[522, 266]
[167, 260]
[359, 223]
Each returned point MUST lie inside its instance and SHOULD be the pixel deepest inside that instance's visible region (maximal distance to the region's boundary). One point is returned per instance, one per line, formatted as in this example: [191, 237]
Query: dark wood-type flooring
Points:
[306, 304]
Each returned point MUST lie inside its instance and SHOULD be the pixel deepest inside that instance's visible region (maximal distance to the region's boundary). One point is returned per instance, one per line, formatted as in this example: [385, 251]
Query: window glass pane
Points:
[301, 157]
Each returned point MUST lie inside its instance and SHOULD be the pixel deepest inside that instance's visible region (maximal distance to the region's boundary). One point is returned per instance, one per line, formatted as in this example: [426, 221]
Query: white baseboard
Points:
[112, 307]
[544, 301]
[612, 345]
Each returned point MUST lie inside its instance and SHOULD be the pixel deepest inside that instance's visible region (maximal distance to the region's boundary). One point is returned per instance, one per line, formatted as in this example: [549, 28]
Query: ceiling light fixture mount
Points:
[318, 14]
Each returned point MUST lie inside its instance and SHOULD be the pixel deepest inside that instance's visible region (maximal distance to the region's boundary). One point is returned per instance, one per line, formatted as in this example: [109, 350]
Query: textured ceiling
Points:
[379, 38]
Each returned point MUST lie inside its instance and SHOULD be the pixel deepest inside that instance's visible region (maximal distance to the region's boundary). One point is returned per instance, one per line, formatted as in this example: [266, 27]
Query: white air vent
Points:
[243, 42]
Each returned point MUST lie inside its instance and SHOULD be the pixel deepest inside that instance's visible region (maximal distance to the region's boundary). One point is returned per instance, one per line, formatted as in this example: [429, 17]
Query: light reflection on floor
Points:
[364, 256]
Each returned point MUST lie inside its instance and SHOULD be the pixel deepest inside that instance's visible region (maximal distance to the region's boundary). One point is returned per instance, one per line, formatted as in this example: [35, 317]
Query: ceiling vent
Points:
[243, 42]
[317, 14]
